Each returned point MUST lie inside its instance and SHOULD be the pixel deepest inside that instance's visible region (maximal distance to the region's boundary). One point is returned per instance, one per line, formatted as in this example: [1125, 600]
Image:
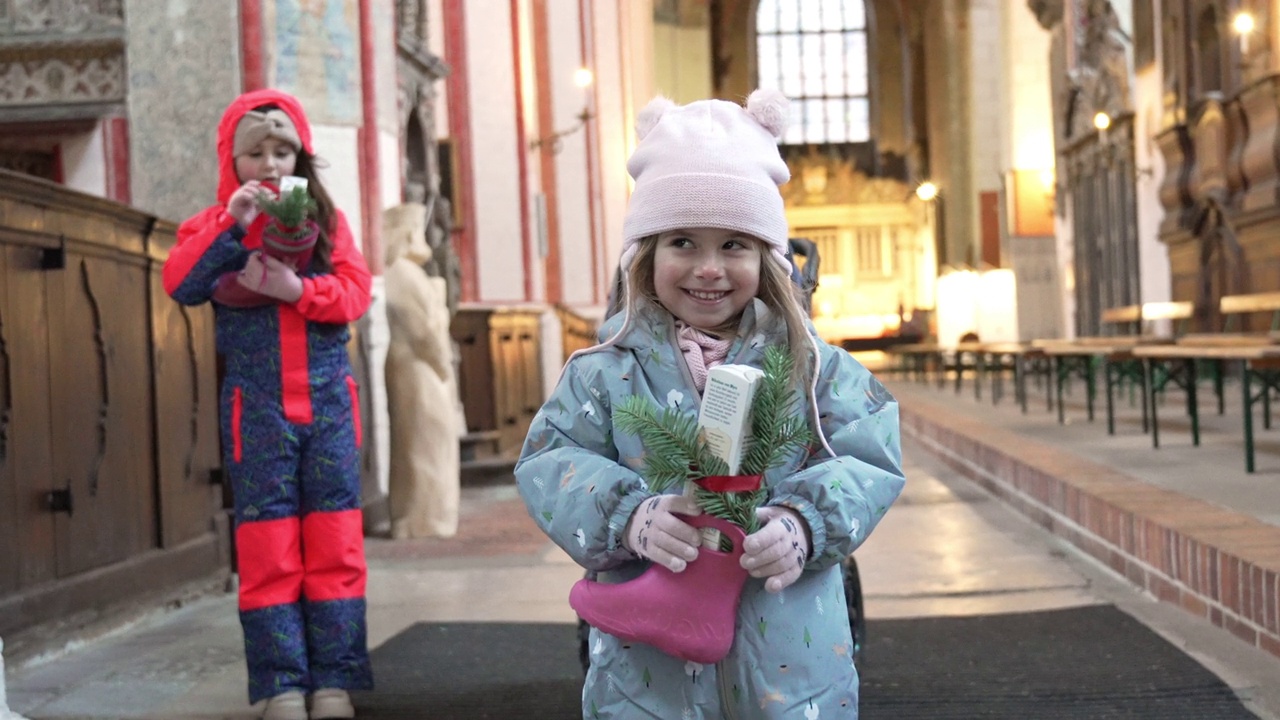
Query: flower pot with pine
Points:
[692, 614]
[289, 234]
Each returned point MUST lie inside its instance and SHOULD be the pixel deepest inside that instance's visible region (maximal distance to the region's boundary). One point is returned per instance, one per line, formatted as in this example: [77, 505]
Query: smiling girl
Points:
[706, 281]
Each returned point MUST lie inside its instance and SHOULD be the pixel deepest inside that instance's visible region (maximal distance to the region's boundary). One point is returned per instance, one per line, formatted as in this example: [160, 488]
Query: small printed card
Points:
[289, 182]
[725, 419]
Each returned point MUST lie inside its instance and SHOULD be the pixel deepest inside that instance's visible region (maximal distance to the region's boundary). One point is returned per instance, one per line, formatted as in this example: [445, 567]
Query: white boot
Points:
[5, 712]
[331, 704]
[290, 705]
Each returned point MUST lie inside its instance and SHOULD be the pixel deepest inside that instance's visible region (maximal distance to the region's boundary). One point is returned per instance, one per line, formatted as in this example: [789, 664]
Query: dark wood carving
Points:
[99, 501]
[1259, 144]
[100, 344]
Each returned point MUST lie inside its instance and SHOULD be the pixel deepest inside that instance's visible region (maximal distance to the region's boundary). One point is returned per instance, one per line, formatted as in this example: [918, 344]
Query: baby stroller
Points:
[806, 279]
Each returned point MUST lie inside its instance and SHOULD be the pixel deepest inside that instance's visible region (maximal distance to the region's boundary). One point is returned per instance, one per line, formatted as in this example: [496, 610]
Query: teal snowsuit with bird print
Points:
[580, 478]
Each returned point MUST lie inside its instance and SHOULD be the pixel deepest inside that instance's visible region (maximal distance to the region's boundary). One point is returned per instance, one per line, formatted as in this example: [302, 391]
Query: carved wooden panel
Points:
[1174, 192]
[500, 373]
[1259, 162]
[101, 406]
[1209, 135]
[9, 535]
[187, 443]
[27, 474]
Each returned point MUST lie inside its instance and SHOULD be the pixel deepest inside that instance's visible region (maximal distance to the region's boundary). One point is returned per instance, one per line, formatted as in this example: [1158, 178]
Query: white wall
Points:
[614, 120]
[496, 185]
[338, 147]
[988, 124]
[572, 180]
[1155, 277]
[1027, 101]
[682, 69]
[435, 41]
[84, 162]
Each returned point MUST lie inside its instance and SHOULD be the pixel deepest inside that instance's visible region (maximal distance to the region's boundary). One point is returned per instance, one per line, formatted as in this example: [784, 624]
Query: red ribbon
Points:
[730, 483]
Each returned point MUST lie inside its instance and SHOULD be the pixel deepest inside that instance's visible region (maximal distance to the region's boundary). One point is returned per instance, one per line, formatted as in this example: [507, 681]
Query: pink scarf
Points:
[701, 351]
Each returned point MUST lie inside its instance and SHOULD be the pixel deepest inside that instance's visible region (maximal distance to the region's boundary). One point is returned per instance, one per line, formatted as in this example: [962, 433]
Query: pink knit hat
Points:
[710, 163]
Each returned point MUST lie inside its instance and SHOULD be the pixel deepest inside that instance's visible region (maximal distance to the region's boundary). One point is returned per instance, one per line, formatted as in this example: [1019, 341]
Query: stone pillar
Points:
[5, 712]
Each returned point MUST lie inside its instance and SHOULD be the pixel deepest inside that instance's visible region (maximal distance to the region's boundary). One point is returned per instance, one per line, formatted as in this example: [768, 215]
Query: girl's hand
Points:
[268, 276]
[243, 203]
[655, 532]
[779, 549]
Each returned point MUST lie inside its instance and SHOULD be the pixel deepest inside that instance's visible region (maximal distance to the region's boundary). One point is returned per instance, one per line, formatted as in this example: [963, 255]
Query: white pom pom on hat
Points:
[711, 163]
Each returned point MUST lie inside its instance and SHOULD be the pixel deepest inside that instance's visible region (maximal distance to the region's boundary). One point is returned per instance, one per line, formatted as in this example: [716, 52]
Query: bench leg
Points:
[1248, 415]
[1193, 404]
[1090, 387]
[1020, 382]
[1266, 406]
[1108, 373]
[1148, 372]
[1058, 364]
[1144, 384]
[1217, 385]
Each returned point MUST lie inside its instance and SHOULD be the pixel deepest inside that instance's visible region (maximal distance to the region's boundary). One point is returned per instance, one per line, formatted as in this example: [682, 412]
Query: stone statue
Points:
[421, 386]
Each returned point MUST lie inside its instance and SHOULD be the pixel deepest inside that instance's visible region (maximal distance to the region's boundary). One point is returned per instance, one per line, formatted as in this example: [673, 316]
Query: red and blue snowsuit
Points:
[291, 439]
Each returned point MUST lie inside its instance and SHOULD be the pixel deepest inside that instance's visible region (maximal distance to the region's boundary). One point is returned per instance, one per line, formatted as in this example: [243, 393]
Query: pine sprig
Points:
[774, 431]
[676, 452]
[291, 209]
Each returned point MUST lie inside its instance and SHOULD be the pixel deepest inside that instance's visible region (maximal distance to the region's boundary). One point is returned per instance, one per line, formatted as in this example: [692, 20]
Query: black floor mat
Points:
[476, 671]
[1080, 663]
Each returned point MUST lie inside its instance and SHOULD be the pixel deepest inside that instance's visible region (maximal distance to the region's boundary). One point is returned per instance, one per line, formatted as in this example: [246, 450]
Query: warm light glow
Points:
[1102, 121]
[583, 77]
[1046, 178]
[1242, 23]
[926, 191]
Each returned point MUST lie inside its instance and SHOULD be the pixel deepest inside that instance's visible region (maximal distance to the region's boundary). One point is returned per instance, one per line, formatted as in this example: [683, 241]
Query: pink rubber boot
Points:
[690, 615]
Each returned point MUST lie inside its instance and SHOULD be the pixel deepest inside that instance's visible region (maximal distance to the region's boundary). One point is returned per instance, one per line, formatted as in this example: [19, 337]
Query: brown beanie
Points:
[257, 126]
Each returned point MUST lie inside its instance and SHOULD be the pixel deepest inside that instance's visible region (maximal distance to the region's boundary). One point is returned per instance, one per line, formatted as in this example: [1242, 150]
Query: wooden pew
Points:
[1114, 353]
[1256, 352]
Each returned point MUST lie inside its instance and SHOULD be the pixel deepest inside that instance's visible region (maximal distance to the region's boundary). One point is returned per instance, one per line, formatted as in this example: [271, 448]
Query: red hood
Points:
[227, 181]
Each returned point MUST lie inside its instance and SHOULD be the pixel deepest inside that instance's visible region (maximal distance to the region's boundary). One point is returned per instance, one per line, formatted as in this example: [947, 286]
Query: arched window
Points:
[815, 52]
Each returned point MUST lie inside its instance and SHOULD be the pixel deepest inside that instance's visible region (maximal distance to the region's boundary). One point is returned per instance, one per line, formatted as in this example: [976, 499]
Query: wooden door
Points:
[529, 351]
[507, 382]
[26, 477]
[103, 437]
[187, 443]
[470, 329]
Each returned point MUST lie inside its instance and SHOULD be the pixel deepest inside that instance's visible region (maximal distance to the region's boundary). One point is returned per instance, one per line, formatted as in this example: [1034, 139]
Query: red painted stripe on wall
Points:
[370, 159]
[586, 23]
[115, 149]
[546, 126]
[522, 156]
[455, 53]
[252, 64]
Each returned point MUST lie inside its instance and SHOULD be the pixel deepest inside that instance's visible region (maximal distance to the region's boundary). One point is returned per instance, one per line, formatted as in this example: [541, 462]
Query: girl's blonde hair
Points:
[777, 291]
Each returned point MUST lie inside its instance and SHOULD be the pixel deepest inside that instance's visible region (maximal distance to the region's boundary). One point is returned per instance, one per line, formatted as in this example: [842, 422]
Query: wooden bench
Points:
[1115, 354]
[1257, 355]
[1258, 363]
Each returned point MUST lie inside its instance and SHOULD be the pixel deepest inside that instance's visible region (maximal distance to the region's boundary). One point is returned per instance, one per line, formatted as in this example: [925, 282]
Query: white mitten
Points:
[270, 277]
[779, 549]
[655, 532]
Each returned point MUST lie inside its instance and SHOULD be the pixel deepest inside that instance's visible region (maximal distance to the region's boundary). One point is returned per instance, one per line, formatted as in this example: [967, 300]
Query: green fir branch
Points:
[291, 209]
[676, 452]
